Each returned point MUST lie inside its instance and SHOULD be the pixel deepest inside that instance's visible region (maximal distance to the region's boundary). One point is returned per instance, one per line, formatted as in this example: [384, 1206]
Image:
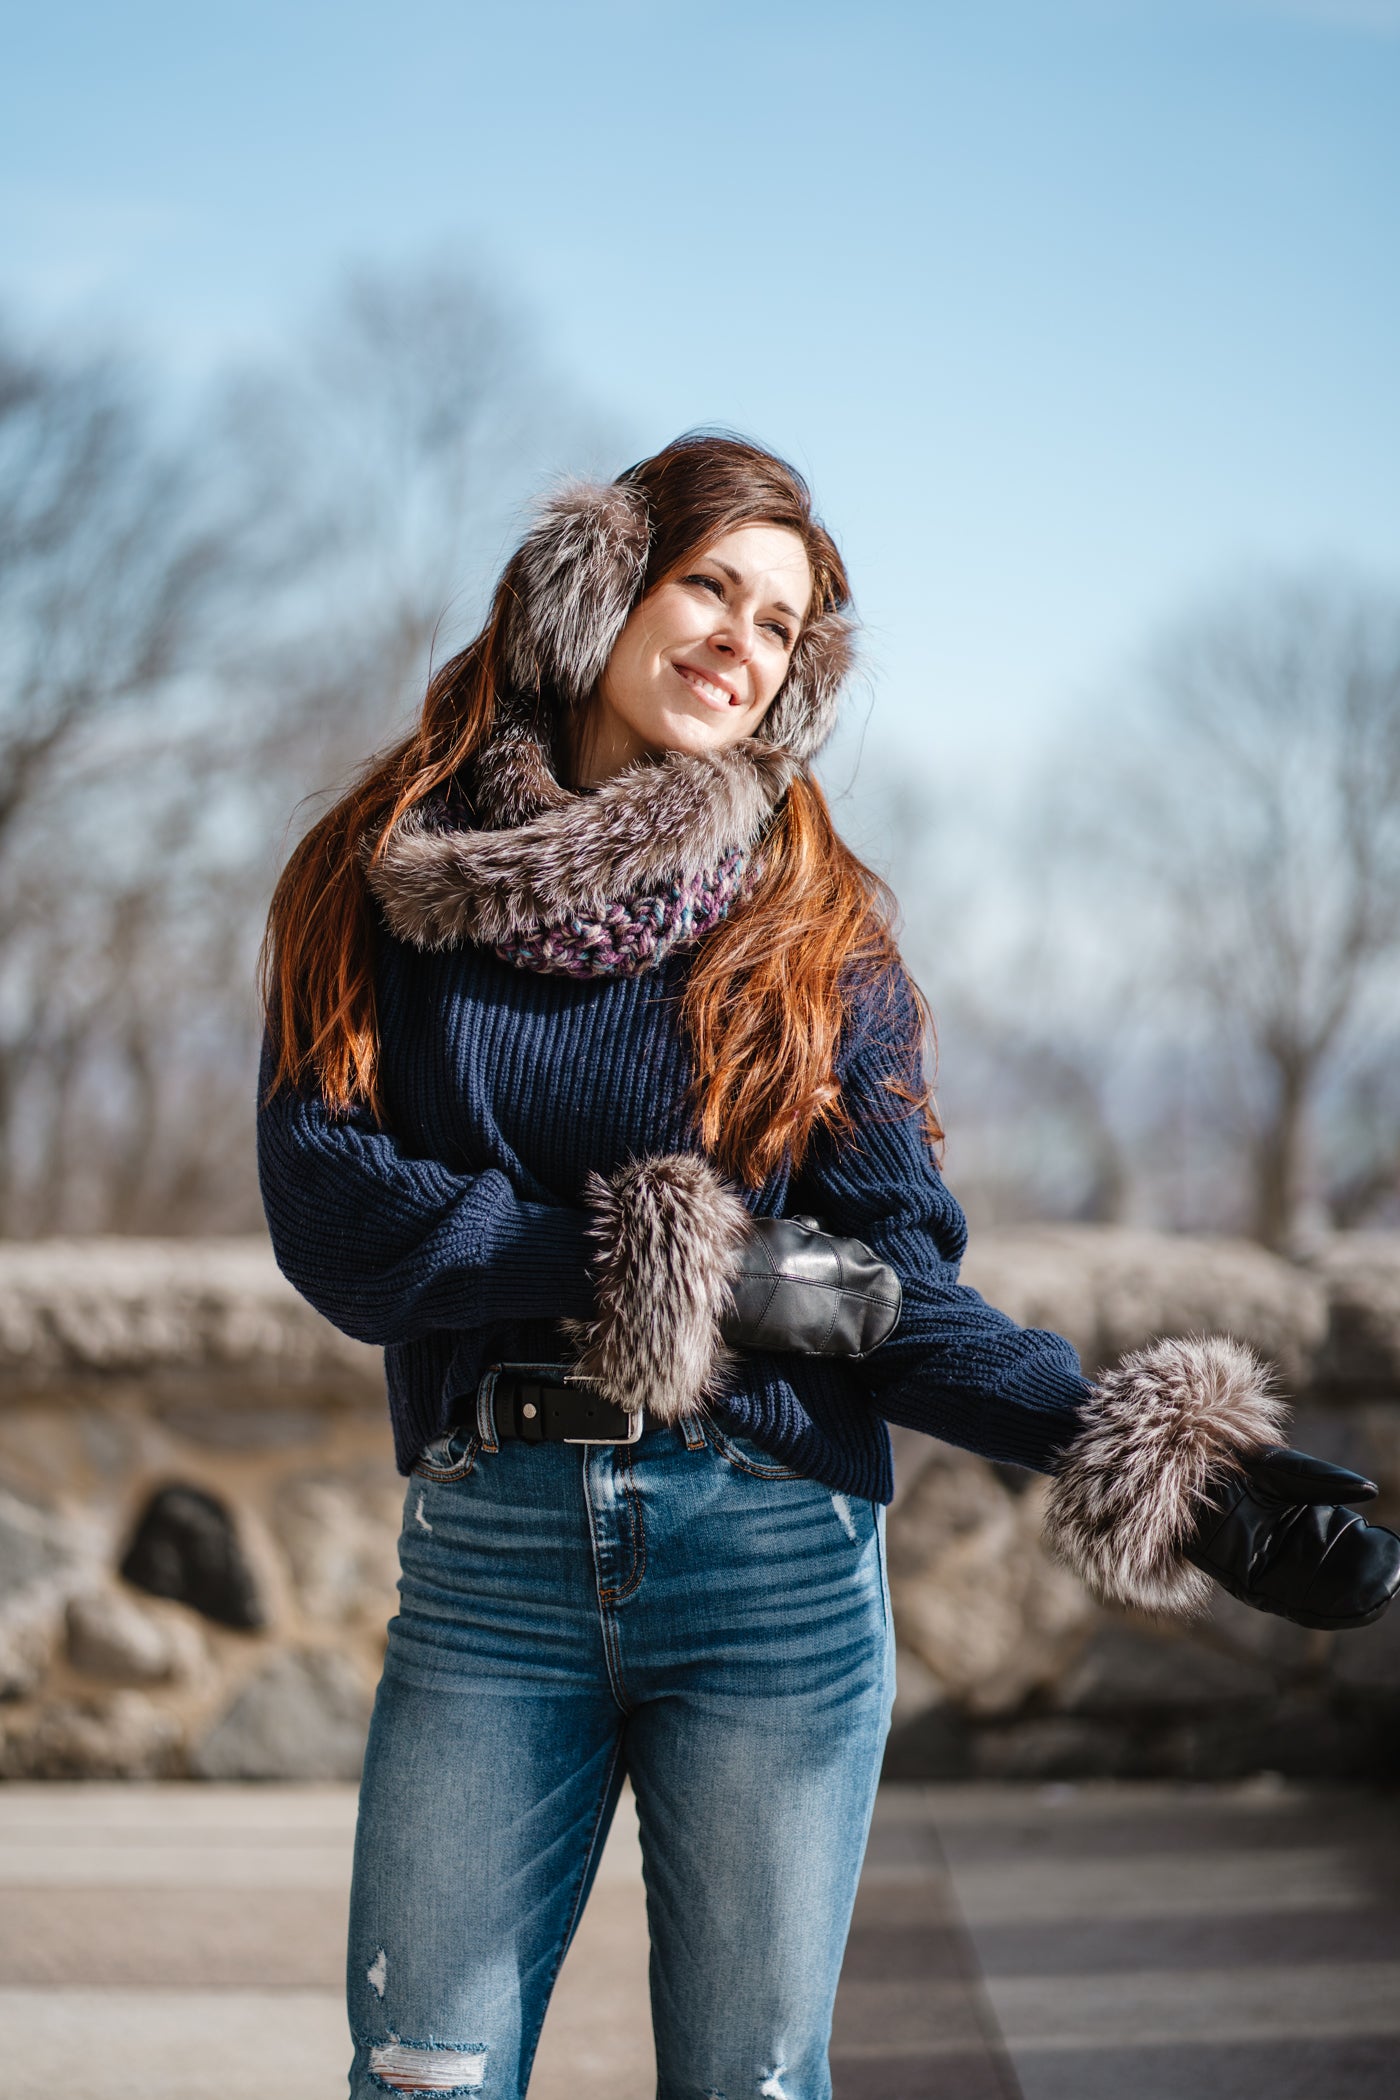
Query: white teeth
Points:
[711, 692]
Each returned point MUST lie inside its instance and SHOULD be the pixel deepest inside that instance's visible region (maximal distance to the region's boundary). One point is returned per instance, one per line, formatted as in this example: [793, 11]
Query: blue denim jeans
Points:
[686, 1611]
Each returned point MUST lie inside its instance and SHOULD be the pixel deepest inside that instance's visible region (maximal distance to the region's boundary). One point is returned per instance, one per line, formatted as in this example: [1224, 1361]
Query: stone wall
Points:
[174, 1408]
[1008, 1670]
[198, 1516]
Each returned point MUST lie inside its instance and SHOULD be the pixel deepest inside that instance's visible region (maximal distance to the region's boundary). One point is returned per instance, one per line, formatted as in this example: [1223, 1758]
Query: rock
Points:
[44, 1556]
[242, 1429]
[1302, 1737]
[303, 1717]
[26, 1645]
[1051, 1747]
[137, 1306]
[1378, 1452]
[1123, 1672]
[1278, 1643]
[185, 1546]
[916, 1689]
[32, 1548]
[1369, 1656]
[341, 1537]
[1360, 1274]
[110, 1636]
[976, 1597]
[125, 1736]
[1111, 1288]
[935, 1744]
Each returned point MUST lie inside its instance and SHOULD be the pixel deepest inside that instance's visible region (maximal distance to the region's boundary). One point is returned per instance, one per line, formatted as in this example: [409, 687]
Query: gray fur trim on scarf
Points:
[1159, 1429]
[579, 573]
[669, 1234]
[549, 853]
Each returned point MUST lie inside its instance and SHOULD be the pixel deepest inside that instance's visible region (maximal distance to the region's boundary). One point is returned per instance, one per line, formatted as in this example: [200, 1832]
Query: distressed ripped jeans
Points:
[684, 1610]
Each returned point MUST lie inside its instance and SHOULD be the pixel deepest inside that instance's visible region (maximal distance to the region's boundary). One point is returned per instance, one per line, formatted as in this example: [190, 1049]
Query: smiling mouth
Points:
[716, 695]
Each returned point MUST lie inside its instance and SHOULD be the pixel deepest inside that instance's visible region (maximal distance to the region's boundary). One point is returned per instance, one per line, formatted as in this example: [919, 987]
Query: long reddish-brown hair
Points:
[767, 990]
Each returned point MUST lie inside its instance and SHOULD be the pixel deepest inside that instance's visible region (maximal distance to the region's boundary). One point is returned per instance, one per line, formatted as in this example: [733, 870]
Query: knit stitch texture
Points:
[454, 1235]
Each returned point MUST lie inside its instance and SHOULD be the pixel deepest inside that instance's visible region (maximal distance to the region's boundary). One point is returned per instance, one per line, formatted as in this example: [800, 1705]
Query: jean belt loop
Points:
[485, 1409]
[694, 1432]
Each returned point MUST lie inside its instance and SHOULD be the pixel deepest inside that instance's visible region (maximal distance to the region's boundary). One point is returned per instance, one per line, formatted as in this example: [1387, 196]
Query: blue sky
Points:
[1071, 311]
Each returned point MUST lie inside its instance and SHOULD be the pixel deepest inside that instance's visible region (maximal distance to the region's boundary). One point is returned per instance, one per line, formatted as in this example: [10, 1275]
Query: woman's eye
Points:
[711, 583]
[783, 634]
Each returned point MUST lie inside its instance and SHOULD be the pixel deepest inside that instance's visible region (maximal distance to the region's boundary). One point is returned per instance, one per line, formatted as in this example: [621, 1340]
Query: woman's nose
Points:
[734, 638]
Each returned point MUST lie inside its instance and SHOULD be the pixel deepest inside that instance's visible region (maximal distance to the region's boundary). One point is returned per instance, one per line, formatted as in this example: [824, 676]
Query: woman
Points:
[577, 1006]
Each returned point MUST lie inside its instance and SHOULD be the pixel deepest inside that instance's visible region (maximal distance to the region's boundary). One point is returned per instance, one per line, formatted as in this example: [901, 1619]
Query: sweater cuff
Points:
[1046, 1413]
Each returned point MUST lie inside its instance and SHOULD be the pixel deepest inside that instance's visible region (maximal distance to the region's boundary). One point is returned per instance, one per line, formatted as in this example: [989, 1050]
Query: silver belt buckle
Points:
[554, 1374]
[634, 1429]
[634, 1418]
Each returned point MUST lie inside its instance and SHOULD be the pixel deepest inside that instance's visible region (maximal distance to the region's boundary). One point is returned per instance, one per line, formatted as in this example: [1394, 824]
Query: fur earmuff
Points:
[1159, 1430]
[804, 714]
[578, 575]
[668, 1234]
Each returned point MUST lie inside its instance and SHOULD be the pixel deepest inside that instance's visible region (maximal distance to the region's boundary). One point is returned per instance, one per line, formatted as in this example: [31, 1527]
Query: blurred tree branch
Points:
[208, 614]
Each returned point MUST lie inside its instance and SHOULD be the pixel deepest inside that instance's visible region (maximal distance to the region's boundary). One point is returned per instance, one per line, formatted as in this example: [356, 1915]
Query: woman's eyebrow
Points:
[779, 604]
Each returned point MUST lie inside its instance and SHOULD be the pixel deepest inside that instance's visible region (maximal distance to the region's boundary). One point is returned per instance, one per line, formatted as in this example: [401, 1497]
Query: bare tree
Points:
[205, 618]
[1249, 828]
[1025, 1067]
[394, 451]
[1166, 980]
[110, 563]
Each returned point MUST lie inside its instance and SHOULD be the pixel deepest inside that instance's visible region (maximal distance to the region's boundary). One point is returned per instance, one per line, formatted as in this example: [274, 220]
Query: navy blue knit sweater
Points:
[454, 1236]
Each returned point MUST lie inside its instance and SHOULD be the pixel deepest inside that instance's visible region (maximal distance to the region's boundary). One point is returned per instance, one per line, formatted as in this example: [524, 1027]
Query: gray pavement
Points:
[1060, 1943]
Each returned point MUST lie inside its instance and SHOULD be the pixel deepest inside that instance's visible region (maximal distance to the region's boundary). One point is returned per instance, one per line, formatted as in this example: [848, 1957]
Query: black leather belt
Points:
[527, 1403]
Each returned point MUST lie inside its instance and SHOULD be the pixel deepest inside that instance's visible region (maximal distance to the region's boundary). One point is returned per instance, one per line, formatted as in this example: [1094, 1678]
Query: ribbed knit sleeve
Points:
[390, 1248]
[955, 1367]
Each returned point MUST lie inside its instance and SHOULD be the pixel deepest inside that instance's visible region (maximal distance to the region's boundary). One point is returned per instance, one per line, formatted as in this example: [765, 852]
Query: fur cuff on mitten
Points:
[668, 1234]
[1158, 1430]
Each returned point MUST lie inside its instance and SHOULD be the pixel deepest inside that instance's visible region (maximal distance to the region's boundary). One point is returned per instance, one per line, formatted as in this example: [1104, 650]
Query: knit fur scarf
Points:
[601, 882]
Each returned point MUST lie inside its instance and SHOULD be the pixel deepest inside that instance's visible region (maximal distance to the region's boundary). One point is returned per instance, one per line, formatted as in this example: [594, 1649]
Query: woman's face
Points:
[703, 655]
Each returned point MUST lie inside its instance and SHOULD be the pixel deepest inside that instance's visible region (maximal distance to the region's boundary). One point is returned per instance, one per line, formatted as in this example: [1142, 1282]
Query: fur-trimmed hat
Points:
[577, 577]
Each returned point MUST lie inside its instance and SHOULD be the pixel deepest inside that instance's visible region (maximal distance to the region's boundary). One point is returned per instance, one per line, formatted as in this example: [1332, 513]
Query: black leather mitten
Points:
[1278, 1536]
[804, 1290]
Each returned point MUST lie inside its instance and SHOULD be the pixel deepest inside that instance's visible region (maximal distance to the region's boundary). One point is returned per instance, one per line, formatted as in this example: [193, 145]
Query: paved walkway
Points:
[184, 1943]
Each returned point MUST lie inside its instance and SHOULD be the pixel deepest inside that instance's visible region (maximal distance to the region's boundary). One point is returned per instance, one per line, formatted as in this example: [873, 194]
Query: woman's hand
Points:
[1179, 1473]
[685, 1275]
[1280, 1537]
[802, 1290]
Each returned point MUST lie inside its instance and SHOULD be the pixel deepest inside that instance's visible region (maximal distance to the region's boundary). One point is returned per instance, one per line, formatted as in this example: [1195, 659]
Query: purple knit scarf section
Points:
[636, 933]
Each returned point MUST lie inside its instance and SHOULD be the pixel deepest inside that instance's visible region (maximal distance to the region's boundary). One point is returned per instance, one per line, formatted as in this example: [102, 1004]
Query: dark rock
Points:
[185, 1547]
[935, 1744]
[304, 1717]
[1300, 1738]
[1369, 1656]
[1276, 1642]
[1125, 1672]
[1054, 1747]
